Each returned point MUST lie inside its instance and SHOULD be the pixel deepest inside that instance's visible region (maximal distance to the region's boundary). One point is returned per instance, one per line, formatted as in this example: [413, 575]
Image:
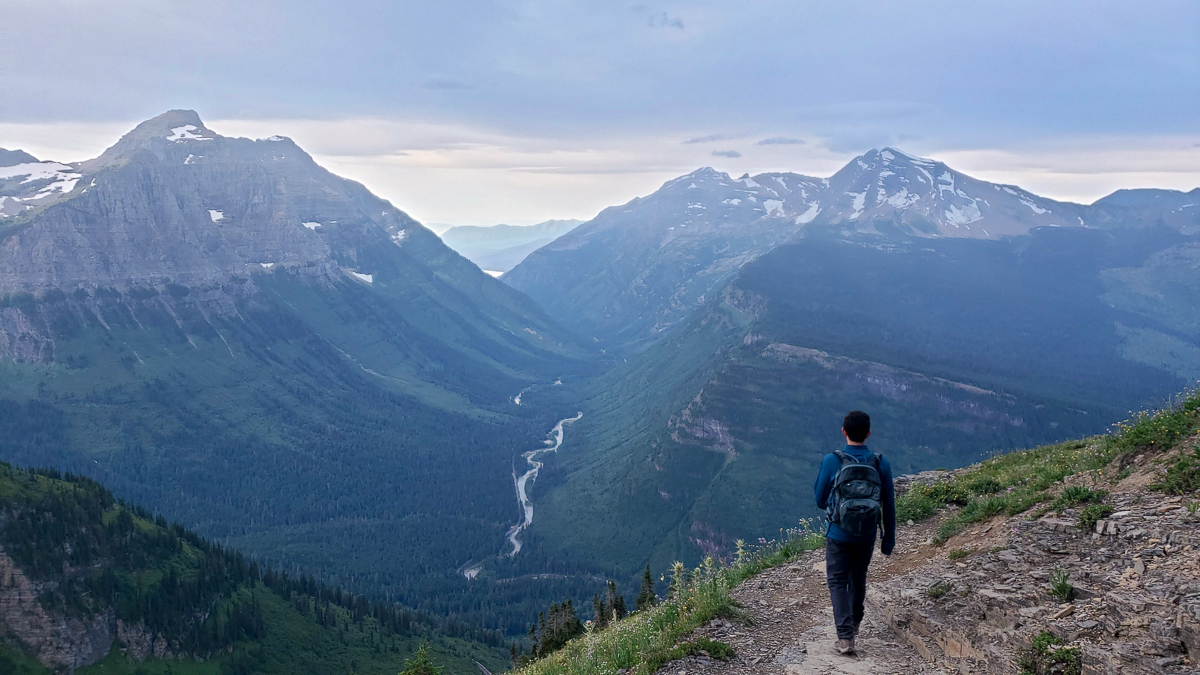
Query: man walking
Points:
[855, 489]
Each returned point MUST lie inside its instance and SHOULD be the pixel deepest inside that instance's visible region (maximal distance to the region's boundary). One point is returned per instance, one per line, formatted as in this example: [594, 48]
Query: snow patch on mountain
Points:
[814, 208]
[860, 200]
[186, 132]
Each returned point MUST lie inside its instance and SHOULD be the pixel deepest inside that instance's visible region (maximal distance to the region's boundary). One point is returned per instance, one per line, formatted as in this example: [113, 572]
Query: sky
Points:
[480, 112]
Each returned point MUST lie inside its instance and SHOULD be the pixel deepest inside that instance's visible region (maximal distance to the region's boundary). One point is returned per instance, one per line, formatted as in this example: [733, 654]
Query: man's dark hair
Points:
[857, 425]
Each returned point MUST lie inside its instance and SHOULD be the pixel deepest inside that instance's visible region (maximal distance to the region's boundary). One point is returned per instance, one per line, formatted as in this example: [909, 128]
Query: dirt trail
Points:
[792, 625]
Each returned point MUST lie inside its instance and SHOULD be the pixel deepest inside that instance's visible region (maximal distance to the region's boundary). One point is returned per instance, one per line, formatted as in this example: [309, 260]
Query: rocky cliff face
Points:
[174, 202]
[58, 641]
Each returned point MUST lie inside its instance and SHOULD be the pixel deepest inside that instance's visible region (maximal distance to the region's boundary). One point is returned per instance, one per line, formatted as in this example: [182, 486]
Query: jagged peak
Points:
[704, 173]
[15, 157]
[910, 157]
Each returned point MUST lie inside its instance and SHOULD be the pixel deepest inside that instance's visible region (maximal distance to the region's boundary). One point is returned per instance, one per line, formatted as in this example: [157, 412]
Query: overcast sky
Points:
[478, 112]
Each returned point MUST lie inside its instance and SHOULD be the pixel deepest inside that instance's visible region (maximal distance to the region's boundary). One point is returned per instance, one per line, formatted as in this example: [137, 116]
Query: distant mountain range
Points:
[634, 270]
[222, 330]
[968, 318]
[499, 248]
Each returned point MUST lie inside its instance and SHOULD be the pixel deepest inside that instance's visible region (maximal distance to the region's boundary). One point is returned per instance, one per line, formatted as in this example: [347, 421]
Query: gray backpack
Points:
[856, 500]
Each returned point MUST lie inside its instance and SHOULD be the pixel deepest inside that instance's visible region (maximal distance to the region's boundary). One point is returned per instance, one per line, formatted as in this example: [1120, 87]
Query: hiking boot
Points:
[845, 647]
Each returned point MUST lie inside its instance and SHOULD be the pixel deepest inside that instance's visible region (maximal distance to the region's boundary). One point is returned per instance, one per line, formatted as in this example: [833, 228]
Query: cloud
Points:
[711, 138]
[664, 20]
[726, 153]
[780, 140]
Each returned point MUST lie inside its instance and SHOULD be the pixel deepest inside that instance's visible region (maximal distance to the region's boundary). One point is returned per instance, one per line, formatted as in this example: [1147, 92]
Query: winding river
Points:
[552, 445]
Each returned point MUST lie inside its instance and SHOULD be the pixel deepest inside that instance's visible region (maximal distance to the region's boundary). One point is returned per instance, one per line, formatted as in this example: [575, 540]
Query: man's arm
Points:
[889, 509]
[824, 484]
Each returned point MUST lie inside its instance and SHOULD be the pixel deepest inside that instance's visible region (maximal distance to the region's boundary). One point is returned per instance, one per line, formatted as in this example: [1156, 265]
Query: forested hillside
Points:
[95, 585]
[223, 331]
[956, 347]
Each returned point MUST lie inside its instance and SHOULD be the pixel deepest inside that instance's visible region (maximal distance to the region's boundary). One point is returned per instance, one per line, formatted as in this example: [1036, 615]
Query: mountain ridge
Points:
[633, 271]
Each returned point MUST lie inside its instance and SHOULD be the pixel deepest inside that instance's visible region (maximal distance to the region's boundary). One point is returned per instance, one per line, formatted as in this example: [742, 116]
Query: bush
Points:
[1044, 656]
[938, 590]
[1092, 513]
[985, 485]
[1182, 477]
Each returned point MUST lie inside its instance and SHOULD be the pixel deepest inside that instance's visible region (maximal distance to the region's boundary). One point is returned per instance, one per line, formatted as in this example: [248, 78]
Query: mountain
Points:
[1172, 208]
[222, 330]
[890, 191]
[500, 248]
[635, 270]
[26, 183]
[957, 347]
[91, 581]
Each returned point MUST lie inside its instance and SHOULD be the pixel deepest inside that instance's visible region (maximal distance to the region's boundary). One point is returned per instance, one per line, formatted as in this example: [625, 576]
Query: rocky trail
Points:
[791, 625]
[1134, 605]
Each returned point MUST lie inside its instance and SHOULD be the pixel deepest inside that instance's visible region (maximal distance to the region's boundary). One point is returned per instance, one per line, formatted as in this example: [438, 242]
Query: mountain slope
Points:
[954, 346]
[499, 248]
[90, 579]
[226, 332]
[634, 270]
[890, 191]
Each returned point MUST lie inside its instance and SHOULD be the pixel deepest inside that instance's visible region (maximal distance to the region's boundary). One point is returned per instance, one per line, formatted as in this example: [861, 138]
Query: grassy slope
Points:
[292, 642]
[1013, 483]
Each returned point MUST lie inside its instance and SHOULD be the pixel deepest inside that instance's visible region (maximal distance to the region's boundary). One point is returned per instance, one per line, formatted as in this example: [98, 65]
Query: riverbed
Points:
[520, 482]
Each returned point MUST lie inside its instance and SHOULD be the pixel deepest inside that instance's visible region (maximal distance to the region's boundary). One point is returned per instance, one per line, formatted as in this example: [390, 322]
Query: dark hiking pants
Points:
[846, 570]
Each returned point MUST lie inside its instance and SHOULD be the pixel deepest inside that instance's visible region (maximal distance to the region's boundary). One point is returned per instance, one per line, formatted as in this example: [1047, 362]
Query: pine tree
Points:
[601, 619]
[614, 603]
[420, 664]
[646, 598]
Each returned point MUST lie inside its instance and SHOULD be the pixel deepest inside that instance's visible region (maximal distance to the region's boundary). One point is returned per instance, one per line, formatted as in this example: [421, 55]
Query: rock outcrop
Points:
[1134, 602]
[57, 640]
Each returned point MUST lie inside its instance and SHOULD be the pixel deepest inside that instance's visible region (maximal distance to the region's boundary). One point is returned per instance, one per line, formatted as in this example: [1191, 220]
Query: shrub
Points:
[1092, 513]
[1044, 656]
[959, 554]
[1182, 477]
[938, 590]
[985, 485]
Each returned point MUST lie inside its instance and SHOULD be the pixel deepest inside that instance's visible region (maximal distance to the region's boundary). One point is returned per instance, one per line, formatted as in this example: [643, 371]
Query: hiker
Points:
[855, 489]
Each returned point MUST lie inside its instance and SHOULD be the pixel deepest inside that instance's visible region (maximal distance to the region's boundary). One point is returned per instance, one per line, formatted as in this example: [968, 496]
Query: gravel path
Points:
[791, 631]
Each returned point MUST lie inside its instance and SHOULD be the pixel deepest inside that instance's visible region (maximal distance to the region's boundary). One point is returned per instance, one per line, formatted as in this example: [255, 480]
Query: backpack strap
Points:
[845, 457]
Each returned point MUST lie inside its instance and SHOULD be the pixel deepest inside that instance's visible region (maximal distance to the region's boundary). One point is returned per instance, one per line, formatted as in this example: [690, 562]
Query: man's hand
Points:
[887, 545]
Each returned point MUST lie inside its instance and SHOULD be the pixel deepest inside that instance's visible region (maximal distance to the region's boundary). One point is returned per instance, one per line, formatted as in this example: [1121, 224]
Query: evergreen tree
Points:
[601, 619]
[646, 598]
[420, 664]
[614, 603]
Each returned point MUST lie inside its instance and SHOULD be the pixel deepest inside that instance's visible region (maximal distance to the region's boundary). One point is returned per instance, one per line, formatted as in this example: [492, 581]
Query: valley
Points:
[530, 475]
[222, 331]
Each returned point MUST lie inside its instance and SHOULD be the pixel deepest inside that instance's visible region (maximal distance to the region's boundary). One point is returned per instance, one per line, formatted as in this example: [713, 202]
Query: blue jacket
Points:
[824, 486]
